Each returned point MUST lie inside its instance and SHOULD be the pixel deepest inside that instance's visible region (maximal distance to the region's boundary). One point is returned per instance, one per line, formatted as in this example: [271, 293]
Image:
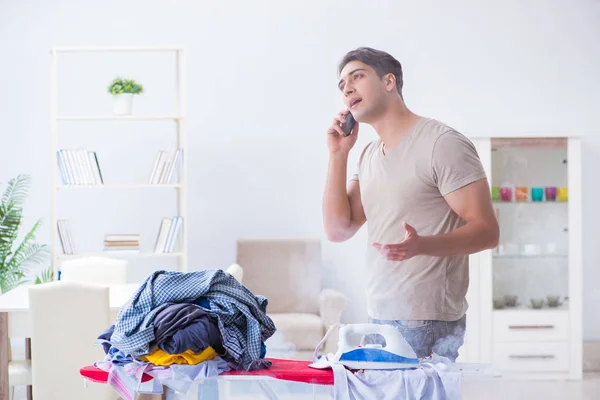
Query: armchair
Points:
[288, 273]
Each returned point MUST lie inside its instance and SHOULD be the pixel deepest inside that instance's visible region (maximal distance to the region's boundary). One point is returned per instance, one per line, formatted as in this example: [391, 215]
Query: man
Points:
[423, 192]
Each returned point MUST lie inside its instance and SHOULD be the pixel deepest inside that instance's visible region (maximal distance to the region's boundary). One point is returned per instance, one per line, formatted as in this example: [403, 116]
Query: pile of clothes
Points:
[181, 327]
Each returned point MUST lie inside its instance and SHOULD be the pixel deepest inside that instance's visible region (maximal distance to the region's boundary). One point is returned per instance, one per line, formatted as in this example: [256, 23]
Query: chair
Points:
[100, 270]
[288, 273]
[66, 319]
[19, 373]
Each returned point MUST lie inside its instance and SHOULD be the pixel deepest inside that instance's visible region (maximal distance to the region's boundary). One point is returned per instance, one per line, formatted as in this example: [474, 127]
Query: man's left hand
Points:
[408, 248]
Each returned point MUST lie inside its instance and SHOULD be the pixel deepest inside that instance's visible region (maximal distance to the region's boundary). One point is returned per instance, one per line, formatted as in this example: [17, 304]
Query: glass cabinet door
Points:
[530, 194]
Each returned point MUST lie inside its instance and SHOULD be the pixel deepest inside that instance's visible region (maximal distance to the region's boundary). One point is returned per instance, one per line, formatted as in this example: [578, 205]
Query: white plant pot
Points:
[123, 103]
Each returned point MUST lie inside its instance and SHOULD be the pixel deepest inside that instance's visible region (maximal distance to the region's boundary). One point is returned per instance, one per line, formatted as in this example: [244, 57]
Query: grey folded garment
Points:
[185, 326]
[105, 338]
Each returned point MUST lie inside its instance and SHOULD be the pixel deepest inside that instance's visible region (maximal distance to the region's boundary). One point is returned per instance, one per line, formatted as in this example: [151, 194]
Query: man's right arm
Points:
[343, 213]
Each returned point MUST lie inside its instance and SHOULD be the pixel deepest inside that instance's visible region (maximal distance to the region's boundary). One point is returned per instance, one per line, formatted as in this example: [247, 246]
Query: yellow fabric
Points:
[159, 357]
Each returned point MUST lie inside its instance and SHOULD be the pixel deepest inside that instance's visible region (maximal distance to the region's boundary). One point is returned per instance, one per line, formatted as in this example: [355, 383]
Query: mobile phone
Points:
[349, 124]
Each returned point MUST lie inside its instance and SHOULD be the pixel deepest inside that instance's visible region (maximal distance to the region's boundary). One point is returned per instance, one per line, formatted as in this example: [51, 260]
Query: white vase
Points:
[123, 103]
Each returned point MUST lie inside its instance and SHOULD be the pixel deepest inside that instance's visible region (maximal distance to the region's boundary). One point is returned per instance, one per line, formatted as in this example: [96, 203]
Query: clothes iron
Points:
[396, 354]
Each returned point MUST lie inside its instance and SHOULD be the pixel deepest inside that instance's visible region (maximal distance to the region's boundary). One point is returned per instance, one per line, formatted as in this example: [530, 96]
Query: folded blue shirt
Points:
[181, 327]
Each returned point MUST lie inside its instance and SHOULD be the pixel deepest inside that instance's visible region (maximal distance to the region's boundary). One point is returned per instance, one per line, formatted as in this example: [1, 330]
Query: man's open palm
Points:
[404, 250]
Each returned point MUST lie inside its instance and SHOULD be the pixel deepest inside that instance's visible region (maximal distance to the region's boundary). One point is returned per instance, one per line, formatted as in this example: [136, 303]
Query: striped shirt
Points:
[241, 315]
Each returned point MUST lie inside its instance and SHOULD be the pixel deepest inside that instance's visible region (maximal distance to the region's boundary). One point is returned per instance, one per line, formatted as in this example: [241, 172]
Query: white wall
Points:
[262, 91]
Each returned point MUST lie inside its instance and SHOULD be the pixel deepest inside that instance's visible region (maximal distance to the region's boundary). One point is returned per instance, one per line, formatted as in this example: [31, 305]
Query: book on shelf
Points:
[65, 237]
[165, 165]
[122, 243]
[168, 235]
[79, 167]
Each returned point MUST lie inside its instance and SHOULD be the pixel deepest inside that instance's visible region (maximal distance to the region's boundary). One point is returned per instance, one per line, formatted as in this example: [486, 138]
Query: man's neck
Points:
[394, 124]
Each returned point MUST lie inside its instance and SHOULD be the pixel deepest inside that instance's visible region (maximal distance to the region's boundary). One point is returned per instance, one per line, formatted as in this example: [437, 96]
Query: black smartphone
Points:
[348, 125]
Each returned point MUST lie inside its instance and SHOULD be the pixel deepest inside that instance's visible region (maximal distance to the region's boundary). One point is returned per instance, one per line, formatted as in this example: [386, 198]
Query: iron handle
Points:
[531, 327]
[531, 356]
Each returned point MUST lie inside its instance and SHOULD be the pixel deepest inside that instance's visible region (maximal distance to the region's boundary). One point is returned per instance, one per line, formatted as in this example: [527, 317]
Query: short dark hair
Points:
[382, 62]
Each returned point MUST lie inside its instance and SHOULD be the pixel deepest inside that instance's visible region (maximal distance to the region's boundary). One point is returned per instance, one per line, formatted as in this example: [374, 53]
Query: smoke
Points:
[277, 347]
[450, 334]
[448, 346]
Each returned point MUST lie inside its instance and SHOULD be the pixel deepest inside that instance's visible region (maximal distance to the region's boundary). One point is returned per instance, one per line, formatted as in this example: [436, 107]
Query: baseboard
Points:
[591, 356]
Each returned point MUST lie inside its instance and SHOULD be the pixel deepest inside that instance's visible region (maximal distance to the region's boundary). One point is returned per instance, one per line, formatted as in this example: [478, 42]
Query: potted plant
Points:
[15, 262]
[123, 91]
[46, 276]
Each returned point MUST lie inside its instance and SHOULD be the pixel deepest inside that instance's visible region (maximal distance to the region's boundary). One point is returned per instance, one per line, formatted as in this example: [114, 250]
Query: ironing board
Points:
[286, 370]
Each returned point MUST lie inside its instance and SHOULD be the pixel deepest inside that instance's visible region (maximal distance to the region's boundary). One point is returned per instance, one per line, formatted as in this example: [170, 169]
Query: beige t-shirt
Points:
[408, 183]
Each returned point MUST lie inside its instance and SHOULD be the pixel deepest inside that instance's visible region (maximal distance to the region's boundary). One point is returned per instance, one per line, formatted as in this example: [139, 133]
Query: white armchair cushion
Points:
[236, 271]
[303, 331]
[331, 306]
[285, 271]
[288, 273]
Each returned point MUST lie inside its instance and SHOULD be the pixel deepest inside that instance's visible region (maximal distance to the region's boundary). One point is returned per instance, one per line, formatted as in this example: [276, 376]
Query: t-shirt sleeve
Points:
[455, 162]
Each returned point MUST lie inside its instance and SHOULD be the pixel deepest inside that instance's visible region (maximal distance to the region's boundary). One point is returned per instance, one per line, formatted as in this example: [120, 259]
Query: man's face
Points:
[362, 90]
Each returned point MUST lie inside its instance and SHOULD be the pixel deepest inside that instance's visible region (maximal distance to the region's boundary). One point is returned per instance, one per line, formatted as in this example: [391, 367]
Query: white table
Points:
[15, 321]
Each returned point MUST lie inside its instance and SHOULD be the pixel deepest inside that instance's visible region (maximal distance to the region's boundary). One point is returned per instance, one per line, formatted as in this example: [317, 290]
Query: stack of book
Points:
[64, 234]
[168, 235]
[79, 167]
[165, 164]
[125, 243]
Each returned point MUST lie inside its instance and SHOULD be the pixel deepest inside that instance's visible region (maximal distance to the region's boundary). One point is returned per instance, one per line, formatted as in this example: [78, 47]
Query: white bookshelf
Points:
[122, 186]
[118, 254]
[179, 119]
[119, 117]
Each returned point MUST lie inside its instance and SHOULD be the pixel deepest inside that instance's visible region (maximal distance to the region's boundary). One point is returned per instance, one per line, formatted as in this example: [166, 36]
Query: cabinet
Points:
[525, 295]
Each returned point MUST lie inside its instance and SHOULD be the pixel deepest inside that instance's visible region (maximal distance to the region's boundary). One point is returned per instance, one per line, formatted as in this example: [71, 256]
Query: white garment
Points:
[437, 379]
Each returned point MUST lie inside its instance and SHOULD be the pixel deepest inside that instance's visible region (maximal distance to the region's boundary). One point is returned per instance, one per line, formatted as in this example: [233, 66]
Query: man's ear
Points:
[390, 82]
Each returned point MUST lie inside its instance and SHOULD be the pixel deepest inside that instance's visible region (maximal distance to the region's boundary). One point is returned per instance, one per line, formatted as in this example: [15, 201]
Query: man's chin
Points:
[361, 116]
[357, 114]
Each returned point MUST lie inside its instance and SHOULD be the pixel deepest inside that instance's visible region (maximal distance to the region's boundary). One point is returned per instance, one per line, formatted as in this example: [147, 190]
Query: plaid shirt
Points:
[241, 315]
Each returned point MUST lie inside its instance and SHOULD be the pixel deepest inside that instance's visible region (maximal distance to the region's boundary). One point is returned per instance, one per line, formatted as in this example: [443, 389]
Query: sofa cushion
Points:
[303, 331]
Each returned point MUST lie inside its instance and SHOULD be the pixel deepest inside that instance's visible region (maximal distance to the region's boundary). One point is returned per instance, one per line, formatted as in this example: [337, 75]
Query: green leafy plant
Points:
[15, 264]
[120, 85]
[47, 275]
